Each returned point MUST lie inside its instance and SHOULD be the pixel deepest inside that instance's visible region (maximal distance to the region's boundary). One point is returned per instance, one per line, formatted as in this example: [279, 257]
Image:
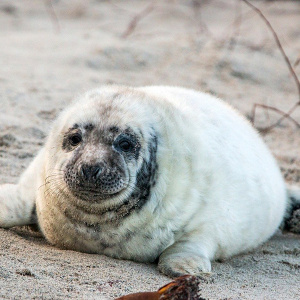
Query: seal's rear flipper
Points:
[292, 217]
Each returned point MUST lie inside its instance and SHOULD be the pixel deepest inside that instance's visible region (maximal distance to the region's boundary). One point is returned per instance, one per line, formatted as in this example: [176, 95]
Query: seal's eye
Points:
[75, 139]
[125, 145]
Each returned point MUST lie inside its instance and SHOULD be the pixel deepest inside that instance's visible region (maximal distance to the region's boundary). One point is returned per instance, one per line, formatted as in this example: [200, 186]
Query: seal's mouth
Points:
[94, 184]
[96, 195]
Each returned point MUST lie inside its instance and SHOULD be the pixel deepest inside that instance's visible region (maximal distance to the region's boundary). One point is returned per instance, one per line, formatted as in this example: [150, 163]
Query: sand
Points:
[222, 48]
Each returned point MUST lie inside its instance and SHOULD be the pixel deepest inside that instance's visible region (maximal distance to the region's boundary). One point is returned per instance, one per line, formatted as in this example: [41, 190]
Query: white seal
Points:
[152, 172]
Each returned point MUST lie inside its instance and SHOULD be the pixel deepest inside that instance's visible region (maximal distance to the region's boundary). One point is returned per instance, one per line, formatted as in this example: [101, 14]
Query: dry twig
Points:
[137, 18]
[236, 27]
[53, 16]
[291, 69]
[197, 6]
[297, 62]
[268, 107]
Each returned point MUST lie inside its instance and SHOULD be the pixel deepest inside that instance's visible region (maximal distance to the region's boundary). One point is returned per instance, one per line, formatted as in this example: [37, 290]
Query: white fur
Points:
[219, 190]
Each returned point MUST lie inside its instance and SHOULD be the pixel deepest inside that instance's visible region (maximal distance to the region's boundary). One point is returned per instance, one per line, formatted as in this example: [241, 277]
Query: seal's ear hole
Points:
[75, 139]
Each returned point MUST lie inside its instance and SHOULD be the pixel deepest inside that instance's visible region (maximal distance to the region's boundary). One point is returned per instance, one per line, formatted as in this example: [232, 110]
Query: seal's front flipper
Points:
[14, 210]
[17, 201]
[184, 258]
[184, 264]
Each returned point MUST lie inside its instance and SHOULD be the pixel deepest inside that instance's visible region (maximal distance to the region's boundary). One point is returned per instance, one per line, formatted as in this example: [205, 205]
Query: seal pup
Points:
[151, 172]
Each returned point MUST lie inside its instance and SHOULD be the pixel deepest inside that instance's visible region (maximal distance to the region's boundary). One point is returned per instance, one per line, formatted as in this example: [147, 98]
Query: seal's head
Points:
[103, 148]
[101, 160]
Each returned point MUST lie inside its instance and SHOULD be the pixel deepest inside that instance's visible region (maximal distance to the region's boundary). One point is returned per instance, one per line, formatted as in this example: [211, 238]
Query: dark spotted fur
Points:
[91, 191]
[292, 219]
[146, 179]
[66, 146]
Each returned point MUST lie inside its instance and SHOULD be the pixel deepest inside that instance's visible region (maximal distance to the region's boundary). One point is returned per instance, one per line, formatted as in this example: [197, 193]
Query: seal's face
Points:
[99, 166]
[103, 150]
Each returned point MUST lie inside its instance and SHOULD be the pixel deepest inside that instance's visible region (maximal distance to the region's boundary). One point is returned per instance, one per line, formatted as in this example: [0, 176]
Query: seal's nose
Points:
[91, 172]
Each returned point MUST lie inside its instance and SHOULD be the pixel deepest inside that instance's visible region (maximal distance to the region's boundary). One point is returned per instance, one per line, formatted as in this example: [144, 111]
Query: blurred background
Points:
[51, 51]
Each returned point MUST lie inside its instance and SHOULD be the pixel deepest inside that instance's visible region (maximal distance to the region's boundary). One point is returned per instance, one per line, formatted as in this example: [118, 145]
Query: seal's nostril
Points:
[96, 171]
[84, 171]
[89, 172]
